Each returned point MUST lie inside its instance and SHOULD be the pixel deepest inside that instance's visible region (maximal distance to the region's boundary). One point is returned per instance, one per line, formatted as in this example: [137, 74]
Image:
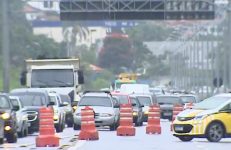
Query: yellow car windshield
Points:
[211, 103]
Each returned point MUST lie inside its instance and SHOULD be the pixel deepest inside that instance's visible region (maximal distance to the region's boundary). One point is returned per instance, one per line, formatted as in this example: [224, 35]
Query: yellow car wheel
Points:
[215, 132]
[185, 138]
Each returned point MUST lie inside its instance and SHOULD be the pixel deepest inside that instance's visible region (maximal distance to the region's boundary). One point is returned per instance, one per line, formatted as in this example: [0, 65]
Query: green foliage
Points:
[116, 53]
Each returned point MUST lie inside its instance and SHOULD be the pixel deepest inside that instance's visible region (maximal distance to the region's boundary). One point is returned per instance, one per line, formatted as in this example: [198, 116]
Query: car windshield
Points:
[4, 103]
[122, 99]
[134, 101]
[53, 99]
[31, 98]
[95, 101]
[188, 99]
[169, 100]
[146, 101]
[52, 78]
[14, 102]
[65, 98]
[211, 103]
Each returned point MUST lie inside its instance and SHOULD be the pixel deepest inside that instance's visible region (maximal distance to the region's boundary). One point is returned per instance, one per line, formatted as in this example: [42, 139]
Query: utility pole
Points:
[5, 46]
[229, 43]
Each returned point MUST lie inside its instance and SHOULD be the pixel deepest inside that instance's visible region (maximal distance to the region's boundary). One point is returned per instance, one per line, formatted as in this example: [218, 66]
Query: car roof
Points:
[4, 94]
[178, 96]
[142, 95]
[99, 94]
[118, 93]
[20, 90]
[224, 95]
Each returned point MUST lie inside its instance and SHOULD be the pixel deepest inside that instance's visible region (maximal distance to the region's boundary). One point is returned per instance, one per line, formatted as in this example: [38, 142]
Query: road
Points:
[109, 141]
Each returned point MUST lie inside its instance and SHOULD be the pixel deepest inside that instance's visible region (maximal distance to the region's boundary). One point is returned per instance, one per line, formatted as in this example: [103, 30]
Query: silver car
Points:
[22, 119]
[105, 108]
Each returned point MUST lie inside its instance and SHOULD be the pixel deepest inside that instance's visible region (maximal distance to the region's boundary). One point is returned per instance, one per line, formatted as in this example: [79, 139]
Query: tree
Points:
[116, 53]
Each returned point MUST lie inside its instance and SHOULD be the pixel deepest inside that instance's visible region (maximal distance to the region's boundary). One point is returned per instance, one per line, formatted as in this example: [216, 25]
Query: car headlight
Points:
[146, 112]
[105, 115]
[134, 113]
[56, 117]
[5, 116]
[200, 117]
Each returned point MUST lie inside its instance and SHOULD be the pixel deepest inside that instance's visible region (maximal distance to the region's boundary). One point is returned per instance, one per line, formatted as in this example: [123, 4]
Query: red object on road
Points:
[177, 108]
[46, 135]
[153, 125]
[88, 129]
[126, 127]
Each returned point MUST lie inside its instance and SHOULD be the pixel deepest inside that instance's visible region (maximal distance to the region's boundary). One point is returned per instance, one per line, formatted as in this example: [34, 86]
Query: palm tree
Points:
[72, 35]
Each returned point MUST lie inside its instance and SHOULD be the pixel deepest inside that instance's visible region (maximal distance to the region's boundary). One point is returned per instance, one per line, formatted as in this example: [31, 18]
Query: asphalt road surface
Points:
[109, 141]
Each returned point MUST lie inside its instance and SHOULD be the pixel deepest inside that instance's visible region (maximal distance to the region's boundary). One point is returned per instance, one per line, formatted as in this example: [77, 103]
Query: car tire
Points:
[70, 124]
[11, 138]
[1, 140]
[215, 132]
[185, 138]
[76, 127]
[113, 127]
[58, 128]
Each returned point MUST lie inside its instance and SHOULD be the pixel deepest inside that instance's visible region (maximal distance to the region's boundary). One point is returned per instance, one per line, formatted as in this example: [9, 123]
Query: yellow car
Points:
[209, 119]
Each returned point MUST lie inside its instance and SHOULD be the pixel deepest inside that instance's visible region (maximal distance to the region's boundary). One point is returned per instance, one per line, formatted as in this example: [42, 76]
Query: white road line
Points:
[78, 145]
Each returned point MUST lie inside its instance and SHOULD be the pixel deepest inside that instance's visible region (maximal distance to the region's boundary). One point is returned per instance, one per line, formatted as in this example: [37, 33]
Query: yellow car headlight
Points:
[74, 108]
[5, 116]
[134, 114]
[146, 112]
[56, 117]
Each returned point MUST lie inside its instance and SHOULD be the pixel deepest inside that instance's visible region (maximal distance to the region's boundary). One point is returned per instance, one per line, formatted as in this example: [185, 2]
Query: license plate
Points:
[178, 128]
[167, 113]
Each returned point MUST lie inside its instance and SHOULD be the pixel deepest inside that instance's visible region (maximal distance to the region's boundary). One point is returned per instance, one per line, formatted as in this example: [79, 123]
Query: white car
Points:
[22, 118]
[59, 112]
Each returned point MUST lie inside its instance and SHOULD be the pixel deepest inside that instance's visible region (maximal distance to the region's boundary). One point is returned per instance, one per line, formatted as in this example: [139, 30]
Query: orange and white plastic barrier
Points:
[177, 108]
[153, 125]
[46, 135]
[126, 127]
[88, 129]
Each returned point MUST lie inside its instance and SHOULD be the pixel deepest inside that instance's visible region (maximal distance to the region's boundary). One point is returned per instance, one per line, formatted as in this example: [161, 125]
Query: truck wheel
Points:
[11, 138]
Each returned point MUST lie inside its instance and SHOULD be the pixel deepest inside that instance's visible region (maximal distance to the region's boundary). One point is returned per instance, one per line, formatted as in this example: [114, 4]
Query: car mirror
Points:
[141, 105]
[133, 104]
[51, 104]
[116, 106]
[15, 108]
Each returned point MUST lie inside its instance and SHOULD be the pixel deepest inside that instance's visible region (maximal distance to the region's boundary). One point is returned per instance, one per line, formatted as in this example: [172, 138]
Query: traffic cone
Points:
[126, 127]
[177, 108]
[88, 129]
[46, 135]
[153, 125]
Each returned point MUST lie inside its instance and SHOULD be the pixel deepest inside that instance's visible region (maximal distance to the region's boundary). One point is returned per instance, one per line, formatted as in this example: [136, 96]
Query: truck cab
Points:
[60, 75]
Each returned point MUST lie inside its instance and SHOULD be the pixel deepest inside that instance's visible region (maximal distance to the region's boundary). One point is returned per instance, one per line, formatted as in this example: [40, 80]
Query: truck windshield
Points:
[52, 78]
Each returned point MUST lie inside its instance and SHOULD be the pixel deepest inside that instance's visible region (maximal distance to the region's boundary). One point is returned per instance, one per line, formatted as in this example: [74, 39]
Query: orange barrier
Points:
[177, 108]
[46, 135]
[88, 129]
[126, 127]
[153, 125]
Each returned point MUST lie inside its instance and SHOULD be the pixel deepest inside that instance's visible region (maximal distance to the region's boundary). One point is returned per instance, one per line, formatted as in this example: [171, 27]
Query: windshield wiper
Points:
[45, 84]
[65, 84]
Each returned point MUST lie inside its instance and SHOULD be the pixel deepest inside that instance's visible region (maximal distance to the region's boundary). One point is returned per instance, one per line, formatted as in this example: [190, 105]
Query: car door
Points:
[225, 115]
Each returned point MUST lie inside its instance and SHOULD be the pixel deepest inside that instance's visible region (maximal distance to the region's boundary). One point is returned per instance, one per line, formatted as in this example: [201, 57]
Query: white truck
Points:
[57, 75]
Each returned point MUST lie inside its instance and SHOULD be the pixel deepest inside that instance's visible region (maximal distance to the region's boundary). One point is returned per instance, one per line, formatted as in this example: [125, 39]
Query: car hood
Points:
[195, 112]
[5, 111]
[32, 108]
[98, 109]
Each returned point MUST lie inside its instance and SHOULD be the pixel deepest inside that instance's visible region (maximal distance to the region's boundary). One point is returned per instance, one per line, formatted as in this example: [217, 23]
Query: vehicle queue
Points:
[19, 111]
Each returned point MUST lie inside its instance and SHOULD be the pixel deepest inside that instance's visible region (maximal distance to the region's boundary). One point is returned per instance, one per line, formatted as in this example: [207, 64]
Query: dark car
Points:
[137, 111]
[8, 120]
[32, 99]
[166, 103]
